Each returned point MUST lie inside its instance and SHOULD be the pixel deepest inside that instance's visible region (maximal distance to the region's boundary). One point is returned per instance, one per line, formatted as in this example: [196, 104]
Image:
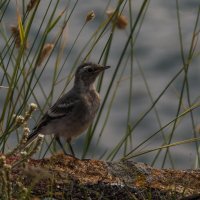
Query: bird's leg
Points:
[61, 145]
[70, 147]
[48, 148]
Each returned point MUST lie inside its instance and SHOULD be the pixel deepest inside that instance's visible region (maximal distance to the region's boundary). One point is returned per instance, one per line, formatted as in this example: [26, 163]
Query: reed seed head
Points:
[23, 154]
[2, 160]
[16, 35]
[19, 120]
[7, 167]
[31, 5]
[121, 21]
[90, 16]
[44, 53]
[33, 106]
[26, 130]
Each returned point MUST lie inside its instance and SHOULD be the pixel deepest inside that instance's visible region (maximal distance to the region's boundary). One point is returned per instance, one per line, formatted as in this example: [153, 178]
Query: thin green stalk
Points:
[130, 85]
[118, 146]
[172, 121]
[157, 117]
[142, 9]
[32, 74]
[161, 148]
[185, 81]
[3, 13]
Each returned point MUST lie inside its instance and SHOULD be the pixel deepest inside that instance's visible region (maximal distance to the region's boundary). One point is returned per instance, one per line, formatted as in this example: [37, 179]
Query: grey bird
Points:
[73, 113]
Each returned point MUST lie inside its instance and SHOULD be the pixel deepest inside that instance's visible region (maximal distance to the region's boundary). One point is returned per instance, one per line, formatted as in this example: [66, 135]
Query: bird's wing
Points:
[63, 107]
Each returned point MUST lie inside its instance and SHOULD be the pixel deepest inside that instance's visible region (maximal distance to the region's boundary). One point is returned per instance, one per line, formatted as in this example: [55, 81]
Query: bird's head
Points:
[87, 73]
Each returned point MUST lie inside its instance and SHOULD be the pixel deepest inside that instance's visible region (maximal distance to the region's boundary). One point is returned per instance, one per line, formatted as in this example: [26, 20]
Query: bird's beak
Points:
[106, 67]
[102, 68]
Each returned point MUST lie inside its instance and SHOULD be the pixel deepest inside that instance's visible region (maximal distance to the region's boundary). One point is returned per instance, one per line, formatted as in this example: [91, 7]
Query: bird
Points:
[75, 111]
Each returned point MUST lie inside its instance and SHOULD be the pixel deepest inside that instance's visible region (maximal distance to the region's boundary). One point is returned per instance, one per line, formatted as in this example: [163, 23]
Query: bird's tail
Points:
[32, 136]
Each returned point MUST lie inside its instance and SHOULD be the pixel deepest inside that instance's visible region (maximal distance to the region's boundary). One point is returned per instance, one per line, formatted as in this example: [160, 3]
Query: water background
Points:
[158, 51]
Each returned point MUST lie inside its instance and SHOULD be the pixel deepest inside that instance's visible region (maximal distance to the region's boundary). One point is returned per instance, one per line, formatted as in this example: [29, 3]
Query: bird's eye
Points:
[90, 70]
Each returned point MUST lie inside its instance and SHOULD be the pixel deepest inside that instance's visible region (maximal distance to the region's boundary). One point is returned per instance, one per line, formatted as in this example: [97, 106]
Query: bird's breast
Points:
[93, 102]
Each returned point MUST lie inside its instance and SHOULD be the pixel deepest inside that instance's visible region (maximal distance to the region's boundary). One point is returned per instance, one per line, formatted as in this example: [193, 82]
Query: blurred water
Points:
[158, 51]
